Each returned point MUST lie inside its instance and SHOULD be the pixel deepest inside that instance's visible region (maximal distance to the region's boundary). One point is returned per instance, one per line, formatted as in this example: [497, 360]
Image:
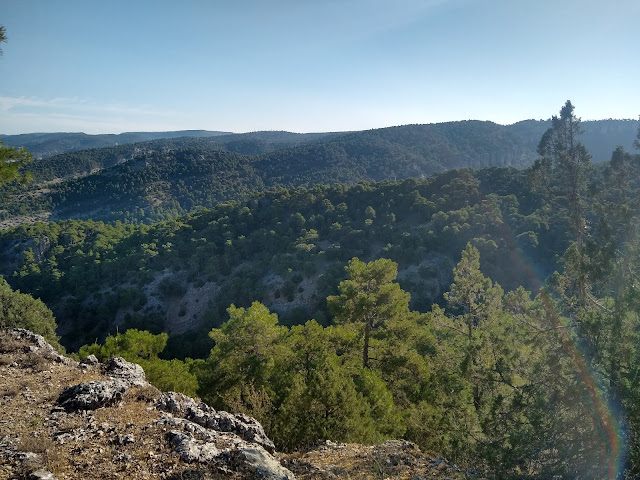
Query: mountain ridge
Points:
[163, 178]
[46, 144]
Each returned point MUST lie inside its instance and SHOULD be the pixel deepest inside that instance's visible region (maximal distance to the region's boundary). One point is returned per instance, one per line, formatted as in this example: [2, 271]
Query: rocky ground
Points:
[67, 420]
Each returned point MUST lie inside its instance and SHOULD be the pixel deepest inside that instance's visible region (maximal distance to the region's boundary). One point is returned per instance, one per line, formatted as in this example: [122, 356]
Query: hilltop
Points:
[601, 137]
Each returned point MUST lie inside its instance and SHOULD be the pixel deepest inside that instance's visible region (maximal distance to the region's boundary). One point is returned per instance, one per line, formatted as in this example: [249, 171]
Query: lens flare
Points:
[608, 423]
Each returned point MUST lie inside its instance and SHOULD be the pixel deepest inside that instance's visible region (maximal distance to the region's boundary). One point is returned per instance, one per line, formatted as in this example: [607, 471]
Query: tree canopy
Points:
[12, 160]
[20, 310]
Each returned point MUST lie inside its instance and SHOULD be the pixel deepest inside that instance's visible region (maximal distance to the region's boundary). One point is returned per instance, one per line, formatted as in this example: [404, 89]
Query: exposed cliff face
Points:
[67, 420]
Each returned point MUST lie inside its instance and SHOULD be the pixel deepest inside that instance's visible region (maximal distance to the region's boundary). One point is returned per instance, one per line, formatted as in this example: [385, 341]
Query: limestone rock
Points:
[247, 428]
[176, 403]
[30, 337]
[39, 343]
[130, 373]
[92, 395]
[42, 475]
[90, 360]
[126, 439]
[258, 463]
[190, 449]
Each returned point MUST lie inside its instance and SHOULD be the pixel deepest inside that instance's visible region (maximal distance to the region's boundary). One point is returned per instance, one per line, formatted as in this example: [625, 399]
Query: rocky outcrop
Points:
[147, 434]
[200, 434]
[91, 395]
[202, 414]
[35, 343]
[257, 463]
[192, 450]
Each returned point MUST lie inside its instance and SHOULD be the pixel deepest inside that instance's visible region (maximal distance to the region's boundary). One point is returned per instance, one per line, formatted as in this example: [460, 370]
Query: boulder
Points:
[190, 449]
[258, 463]
[92, 395]
[130, 373]
[42, 475]
[90, 360]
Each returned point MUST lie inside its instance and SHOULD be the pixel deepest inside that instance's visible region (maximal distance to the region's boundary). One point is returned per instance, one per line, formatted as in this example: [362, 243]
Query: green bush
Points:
[19, 310]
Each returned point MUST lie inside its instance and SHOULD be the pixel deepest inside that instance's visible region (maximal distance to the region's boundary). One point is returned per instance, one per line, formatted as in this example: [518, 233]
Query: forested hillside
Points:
[489, 315]
[600, 137]
[43, 145]
[160, 179]
[286, 248]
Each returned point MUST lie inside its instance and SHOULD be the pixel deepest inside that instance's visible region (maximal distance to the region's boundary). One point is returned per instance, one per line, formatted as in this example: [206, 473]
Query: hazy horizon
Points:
[223, 132]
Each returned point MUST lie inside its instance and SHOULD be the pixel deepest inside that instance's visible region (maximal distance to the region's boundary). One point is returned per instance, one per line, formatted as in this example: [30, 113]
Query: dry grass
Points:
[392, 461]
[148, 393]
[87, 445]
[9, 344]
[6, 359]
[9, 391]
[47, 450]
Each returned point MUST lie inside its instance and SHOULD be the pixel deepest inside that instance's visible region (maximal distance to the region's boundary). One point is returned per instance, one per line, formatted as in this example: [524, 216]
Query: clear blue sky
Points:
[312, 65]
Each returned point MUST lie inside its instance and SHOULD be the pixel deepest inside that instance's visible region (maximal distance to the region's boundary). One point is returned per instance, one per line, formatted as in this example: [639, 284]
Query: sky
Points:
[112, 66]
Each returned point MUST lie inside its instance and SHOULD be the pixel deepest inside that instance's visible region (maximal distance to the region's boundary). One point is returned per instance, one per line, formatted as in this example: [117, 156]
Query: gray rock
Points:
[337, 471]
[92, 395]
[258, 463]
[42, 475]
[90, 360]
[29, 459]
[247, 428]
[130, 373]
[122, 457]
[189, 427]
[29, 336]
[192, 450]
[177, 403]
[39, 343]
[244, 426]
[126, 439]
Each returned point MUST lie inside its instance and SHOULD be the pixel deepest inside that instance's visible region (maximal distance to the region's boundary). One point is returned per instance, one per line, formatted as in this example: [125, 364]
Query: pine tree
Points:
[562, 173]
[20, 310]
[11, 162]
[476, 302]
[369, 298]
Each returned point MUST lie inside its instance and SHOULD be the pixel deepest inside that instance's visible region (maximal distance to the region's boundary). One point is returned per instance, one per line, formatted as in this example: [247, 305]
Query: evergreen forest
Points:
[452, 285]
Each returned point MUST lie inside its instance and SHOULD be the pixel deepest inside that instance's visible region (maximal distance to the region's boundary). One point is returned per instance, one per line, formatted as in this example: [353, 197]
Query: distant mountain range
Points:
[600, 136]
[157, 175]
[43, 145]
